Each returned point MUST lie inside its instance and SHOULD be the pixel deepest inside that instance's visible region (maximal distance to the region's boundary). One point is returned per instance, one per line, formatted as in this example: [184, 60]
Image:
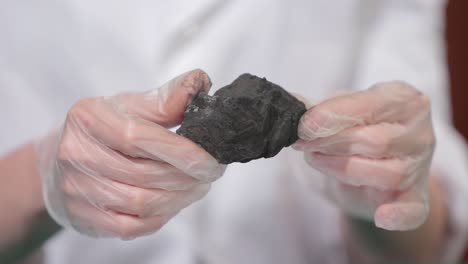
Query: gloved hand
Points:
[114, 170]
[374, 148]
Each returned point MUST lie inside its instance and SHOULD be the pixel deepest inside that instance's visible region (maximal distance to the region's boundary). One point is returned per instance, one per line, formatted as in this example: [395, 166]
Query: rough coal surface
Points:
[248, 119]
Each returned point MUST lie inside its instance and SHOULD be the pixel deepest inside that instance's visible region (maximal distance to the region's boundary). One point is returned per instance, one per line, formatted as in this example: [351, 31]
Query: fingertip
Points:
[197, 162]
[400, 217]
[304, 131]
[205, 81]
[321, 122]
[206, 171]
[299, 144]
[193, 83]
[297, 147]
[172, 98]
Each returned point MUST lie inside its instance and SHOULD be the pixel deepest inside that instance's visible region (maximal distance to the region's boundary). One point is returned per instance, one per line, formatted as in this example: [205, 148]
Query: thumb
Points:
[166, 104]
[407, 212]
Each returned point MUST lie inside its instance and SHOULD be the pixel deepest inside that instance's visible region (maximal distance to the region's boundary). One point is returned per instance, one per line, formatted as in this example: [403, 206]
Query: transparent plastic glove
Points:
[374, 148]
[114, 170]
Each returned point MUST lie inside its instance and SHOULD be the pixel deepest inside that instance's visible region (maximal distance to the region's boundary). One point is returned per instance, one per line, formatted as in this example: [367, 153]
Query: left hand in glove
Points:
[375, 149]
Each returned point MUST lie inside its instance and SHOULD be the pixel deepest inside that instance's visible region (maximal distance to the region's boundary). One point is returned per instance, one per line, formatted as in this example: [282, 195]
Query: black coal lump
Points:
[248, 119]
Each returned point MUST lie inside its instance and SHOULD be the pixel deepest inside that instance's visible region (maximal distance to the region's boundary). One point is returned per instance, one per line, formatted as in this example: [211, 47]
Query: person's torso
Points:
[55, 52]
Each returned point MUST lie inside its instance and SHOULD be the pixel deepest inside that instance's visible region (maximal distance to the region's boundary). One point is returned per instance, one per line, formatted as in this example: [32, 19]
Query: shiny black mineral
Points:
[248, 119]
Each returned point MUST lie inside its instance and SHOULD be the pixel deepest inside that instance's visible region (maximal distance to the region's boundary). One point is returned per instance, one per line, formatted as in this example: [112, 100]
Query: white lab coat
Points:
[54, 52]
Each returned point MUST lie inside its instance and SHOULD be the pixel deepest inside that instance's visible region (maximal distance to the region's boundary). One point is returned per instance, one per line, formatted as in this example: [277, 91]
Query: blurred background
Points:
[457, 44]
[457, 50]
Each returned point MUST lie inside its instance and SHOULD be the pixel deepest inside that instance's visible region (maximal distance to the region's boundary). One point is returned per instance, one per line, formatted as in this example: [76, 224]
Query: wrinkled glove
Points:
[114, 170]
[374, 148]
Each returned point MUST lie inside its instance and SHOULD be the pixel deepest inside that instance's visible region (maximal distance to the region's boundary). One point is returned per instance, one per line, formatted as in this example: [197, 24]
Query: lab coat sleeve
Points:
[403, 39]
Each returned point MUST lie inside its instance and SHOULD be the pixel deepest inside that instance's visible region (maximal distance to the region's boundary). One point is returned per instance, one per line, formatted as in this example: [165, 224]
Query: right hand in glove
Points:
[114, 170]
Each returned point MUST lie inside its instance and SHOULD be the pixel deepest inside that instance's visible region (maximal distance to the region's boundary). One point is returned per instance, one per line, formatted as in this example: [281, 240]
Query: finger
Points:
[408, 211]
[89, 156]
[95, 222]
[178, 151]
[384, 140]
[152, 202]
[143, 173]
[137, 138]
[385, 174]
[391, 102]
[165, 105]
[122, 198]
